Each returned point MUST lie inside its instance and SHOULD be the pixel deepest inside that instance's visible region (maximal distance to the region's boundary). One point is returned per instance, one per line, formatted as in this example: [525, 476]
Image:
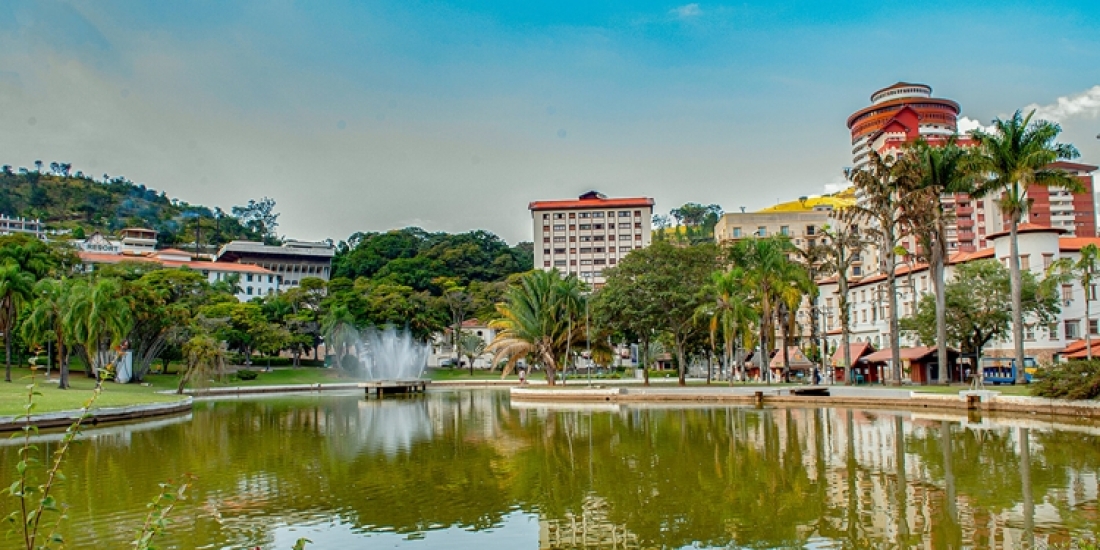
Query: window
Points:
[546, 216]
[1025, 261]
[600, 261]
[559, 263]
[597, 226]
[624, 213]
[1092, 291]
[559, 216]
[811, 230]
[1052, 331]
[249, 279]
[1048, 259]
[1071, 330]
[249, 291]
[597, 238]
[586, 226]
[624, 249]
[559, 227]
[856, 271]
[546, 251]
[736, 232]
[585, 215]
[597, 214]
[586, 262]
[586, 238]
[271, 278]
[546, 239]
[785, 231]
[761, 231]
[559, 239]
[1067, 294]
[1029, 333]
[1094, 327]
[559, 251]
[586, 251]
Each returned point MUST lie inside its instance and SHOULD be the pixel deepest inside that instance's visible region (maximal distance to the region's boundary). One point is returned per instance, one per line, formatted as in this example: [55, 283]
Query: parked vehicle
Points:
[1002, 370]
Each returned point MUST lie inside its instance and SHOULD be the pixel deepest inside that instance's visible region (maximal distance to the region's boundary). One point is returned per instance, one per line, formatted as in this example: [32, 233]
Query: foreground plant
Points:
[35, 499]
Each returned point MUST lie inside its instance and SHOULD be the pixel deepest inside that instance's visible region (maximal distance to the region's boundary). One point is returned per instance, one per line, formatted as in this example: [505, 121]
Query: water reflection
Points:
[354, 473]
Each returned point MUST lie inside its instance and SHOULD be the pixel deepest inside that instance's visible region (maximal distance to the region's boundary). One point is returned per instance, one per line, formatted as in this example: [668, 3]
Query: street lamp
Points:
[587, 326]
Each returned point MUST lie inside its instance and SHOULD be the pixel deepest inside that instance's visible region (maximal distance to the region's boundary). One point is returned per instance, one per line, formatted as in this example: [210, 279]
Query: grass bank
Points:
[13, 395]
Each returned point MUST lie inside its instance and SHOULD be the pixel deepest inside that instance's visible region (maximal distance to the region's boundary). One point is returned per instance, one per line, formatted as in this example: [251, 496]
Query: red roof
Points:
[905, 354]
[795, 356]
[1075, 244]
[174, 252]
[857, 352]
[1072, 166]
[584, 204]
[94, 258]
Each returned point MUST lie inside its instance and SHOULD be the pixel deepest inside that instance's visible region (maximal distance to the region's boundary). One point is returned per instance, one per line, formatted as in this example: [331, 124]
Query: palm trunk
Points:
[765, 371]
[845, 336]
[7, 354]
[941, 313]
[892, 288]
[645, 361]
[682, 365]
[786, 355]
[1017, 300]
[1088, 327]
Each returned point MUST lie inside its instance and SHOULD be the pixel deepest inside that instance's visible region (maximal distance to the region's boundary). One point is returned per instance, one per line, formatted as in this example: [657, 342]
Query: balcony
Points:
[964, 222]
[964, 210]
[965, 236]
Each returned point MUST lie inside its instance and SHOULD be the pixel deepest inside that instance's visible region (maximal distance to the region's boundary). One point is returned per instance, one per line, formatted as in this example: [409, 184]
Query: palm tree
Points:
[338, 328]
[16, 286]
[880, 186]
[205, 360]
[837, 257]
[471, 346]
[765, 266]
[45, 321]
[537, 319]
[730, 314]
[1085, 270]
[99, 317]
[936, 171]
[1015, 156]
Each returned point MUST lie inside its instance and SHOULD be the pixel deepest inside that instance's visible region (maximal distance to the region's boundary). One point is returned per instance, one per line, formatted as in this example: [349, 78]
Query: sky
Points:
[452, 116]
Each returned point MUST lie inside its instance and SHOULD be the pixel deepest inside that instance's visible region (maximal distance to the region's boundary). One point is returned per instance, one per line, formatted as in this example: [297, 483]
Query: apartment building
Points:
[590, 234]
[252, 281]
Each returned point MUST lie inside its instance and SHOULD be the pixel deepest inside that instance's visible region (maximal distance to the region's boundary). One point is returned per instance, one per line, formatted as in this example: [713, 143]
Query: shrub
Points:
[1072, 380]
[247, 375]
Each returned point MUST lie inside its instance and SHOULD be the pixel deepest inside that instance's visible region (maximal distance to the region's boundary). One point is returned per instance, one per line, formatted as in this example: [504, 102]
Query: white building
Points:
[293, 261]
[9, 226]
[589, 234]
[1039, 247]
[252, 281]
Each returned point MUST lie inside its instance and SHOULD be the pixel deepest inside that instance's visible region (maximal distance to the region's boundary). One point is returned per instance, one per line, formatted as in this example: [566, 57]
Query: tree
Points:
[881, 186]
[98, 319]
[658, 289]
[259, 217]
[16, 287]
[1015, 156]
[975, 311]
[536, 320]
[730, 313]
[205, 360]
[241, 325]
[459, 303]
[1084, 270]
[46, 321]
[471, 346]
[338, 327]
[764, 266]
[838, 251]
[163, 303]
[936, 170]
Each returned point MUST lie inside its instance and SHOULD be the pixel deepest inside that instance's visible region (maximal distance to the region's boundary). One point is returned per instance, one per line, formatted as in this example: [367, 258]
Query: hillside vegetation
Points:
[65, 200]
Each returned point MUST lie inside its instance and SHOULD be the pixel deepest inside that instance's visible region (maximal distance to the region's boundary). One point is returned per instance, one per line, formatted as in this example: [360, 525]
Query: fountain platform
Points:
[382, 388]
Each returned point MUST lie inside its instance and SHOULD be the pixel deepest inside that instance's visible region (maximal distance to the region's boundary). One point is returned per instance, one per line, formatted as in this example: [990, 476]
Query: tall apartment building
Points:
[904, 112]
[589, 234]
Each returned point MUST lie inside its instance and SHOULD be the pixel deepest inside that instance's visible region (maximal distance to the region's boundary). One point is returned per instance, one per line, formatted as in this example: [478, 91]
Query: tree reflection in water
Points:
[632, 476]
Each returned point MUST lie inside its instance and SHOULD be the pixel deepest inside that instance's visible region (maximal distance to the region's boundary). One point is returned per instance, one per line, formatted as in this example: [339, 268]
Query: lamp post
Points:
[588, 327]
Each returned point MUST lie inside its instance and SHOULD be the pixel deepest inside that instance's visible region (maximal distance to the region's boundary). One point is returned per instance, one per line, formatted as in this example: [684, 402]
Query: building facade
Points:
[9, 226]
[1040, 247]
[251, 281]
[292, 261]
[590, 234]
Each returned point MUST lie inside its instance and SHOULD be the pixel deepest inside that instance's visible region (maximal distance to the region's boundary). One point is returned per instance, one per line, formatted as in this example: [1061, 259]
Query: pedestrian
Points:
[522, 375]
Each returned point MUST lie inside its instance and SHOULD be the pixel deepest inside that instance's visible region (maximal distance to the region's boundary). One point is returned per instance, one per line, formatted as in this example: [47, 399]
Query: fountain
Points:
[391, 361]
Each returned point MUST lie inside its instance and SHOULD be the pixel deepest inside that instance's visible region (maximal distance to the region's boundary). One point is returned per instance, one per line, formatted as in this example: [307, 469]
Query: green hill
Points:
[74, 201]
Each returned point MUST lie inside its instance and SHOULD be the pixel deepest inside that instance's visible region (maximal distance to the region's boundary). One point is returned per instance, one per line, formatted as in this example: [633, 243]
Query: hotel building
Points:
[590, 234]
[902, 113]
[292, 262]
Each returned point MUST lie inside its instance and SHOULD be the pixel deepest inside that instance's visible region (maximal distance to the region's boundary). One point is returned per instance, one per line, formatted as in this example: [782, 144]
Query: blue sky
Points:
[454, 115]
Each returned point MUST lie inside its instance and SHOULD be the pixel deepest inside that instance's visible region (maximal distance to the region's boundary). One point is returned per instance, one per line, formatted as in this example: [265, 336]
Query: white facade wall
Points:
[1038, 249]
[586, 241]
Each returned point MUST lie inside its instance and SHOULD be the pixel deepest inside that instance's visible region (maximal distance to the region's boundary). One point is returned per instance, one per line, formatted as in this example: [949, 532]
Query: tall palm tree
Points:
[539, 318]
[765, 266]
[45, 321]
[1085, 270]
[936, 170]
[1014, 156]
[99, 317]
[730, 314]
[471, 346]
[837, 257]
[338, 329]
[16, 286]
[881, 184]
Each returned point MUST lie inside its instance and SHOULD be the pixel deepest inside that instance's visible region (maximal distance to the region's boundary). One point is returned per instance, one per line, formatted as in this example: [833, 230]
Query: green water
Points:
[469, 469]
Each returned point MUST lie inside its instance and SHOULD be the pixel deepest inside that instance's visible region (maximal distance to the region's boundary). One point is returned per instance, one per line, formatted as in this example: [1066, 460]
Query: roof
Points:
[1027, 228]
[174, 252]
[591, 200]
[810, 204]
[1075, 244]
[1072, 166]
[1078, 350]
[794, 355]
[233, 250]
[905, 354]
[96, 258]
[857, 352]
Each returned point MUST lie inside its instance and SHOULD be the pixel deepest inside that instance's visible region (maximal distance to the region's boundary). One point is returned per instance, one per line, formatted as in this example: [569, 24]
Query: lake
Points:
[468, 468]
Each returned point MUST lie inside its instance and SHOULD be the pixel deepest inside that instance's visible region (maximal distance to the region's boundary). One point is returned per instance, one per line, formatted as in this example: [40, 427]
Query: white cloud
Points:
[838, 184]
[1085, 104]
[686, 11]
[966, 124]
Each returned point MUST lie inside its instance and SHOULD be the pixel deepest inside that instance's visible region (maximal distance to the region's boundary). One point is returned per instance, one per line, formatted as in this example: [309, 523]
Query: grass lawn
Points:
[1024, 390]
[13, 395]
